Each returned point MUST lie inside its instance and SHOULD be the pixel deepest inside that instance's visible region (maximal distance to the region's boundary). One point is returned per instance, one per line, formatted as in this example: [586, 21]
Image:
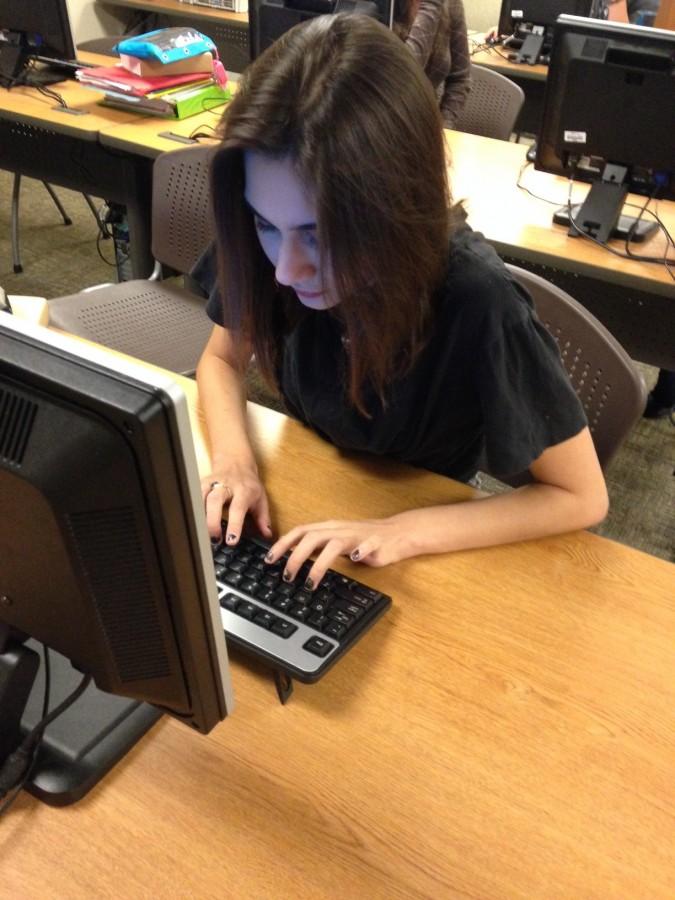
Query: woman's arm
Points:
[222, 397]
[568, 493]
[422, 35]
[458, 80]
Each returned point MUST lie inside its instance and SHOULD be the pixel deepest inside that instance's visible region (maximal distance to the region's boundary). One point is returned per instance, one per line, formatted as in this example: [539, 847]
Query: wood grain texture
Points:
[506, 731]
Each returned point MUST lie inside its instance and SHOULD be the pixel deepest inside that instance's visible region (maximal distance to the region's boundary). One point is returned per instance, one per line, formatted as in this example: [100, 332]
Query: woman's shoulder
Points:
[478, 285]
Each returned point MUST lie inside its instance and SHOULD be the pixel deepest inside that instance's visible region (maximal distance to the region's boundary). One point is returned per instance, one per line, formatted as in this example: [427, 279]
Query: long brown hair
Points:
[344, 98]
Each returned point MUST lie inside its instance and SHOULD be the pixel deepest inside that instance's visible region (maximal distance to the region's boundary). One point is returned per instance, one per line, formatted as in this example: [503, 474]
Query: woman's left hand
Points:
[375, 542]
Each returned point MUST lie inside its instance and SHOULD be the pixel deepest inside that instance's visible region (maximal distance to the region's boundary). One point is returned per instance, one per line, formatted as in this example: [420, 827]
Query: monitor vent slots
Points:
[17, 416]
[124, 601]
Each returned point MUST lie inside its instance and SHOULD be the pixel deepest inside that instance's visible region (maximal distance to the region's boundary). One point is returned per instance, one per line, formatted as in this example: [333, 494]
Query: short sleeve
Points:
[527, 399]
[204, 274]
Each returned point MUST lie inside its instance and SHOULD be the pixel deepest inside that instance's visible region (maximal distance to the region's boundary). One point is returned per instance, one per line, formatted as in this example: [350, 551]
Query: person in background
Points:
[389, 327]
[435, 33]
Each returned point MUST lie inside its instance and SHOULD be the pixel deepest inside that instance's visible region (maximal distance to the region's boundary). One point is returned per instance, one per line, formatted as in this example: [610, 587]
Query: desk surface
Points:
[484, 173]
[495, 57]
[506, 731]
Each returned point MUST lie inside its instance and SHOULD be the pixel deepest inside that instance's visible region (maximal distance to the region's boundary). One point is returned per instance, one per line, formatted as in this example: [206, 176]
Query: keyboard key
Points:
[334, 629]
[248, 586]
[230, 601]
[303, 597]
[317, 620]
[318, 646]
[300, 612]
[265, 619]
[282, 603]
[232, 578]
[284, 628]
[247, 610]
[337, 615]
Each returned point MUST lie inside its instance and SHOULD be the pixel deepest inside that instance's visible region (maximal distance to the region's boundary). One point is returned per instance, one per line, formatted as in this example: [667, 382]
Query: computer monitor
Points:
[34, 29]
[269, 19]
[104, 557]
[608, 116]
[530, 23]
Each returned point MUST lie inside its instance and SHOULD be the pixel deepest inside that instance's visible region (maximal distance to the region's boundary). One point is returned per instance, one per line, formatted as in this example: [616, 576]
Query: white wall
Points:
[481, 14]
[91, 20]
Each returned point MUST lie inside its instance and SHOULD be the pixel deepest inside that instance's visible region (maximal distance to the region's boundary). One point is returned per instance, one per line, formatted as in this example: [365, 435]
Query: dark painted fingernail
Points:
[269, 557]
[231, 538]
[309, 584]
[355, 555]
[287, 576]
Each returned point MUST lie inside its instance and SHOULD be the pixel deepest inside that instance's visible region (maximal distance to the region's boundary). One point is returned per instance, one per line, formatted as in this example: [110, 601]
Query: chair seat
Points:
[155, 321]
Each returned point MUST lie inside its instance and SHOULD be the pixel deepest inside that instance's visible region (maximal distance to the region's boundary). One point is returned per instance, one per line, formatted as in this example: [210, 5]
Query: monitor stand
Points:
[531, 48]
[599, 216]
[87, 740]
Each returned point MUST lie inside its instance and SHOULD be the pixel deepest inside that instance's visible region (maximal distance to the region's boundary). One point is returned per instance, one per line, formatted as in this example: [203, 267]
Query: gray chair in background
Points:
[493, 105]
[152, 319]
[608, 384]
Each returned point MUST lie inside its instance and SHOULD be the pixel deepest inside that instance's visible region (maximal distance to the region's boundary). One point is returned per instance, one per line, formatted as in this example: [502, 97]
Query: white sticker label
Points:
[574, 137]
[516, 14]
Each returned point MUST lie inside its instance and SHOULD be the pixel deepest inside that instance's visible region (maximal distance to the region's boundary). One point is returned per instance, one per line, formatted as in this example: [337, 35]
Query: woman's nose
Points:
[293, 263]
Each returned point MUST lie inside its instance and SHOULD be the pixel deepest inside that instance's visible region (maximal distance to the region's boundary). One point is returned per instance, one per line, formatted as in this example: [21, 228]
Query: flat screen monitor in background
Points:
[608, 118]
[34, 30]
[269, 19]
[530, 25]
[104, 558]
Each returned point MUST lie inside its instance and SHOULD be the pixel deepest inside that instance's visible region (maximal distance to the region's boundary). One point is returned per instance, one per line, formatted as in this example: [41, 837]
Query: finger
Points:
[283, 544]
[262, 518]
[364, 549]
[214, 515]
[240, 504]
[301, 553]
[323, 562]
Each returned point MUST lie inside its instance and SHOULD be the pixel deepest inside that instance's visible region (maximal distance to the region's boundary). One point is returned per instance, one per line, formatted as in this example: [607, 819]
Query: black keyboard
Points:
[301, 633]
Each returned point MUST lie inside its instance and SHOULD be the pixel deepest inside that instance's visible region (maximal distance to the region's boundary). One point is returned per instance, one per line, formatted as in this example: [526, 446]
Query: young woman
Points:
[435, 33]
[388, 326]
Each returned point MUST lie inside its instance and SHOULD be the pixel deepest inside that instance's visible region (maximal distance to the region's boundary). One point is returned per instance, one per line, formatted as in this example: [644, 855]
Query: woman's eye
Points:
[310, 239]
[264, 227]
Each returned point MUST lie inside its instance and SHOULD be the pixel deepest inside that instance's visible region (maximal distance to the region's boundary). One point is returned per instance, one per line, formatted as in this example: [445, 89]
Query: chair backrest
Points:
[608, 384]
[181, 215]
[493, 104]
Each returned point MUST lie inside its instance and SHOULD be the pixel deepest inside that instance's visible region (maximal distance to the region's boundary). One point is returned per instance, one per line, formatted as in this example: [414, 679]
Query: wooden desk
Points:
[40, 139]
[635, 300]
[506, 731]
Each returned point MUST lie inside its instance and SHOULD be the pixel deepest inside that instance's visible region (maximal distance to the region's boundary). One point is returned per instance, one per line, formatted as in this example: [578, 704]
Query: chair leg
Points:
[64, 215]
[16, 257]
[94, 212]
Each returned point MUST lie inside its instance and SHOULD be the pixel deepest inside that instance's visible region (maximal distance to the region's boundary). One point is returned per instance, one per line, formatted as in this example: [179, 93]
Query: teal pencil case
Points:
[167, 45]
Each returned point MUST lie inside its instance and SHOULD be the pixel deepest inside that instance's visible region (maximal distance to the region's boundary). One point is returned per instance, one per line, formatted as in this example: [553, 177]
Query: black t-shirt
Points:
[487, 391]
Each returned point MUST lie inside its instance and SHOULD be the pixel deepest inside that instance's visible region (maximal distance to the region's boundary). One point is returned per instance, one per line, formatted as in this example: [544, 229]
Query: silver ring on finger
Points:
[215, 484]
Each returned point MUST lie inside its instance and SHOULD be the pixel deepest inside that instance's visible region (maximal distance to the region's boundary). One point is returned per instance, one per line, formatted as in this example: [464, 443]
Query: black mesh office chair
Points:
[493, 105]
[607, 382]
[151, 319]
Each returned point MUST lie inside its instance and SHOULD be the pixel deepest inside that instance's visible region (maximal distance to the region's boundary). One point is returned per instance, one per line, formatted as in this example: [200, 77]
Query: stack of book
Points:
[174, 90]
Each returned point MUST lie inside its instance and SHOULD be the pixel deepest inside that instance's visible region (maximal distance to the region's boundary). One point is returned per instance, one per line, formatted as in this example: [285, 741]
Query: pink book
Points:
[120, 79]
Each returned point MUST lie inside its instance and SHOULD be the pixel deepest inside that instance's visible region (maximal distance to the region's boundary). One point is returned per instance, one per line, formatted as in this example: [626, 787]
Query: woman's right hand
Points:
[240, 489]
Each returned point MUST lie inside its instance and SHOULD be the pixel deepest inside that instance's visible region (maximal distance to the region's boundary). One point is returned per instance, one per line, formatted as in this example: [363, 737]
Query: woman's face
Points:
[284, 213]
